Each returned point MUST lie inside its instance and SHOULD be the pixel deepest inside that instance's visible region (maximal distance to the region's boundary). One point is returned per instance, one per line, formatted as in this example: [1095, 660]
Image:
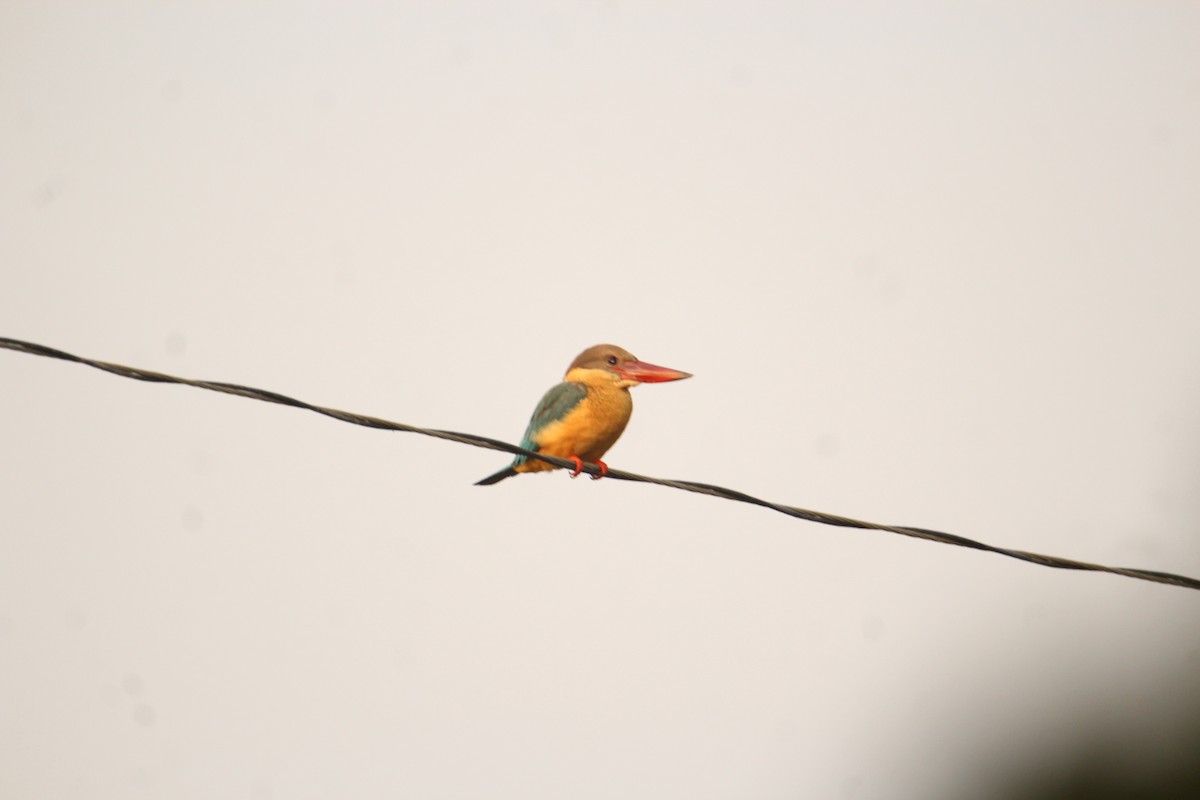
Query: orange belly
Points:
[588, 431]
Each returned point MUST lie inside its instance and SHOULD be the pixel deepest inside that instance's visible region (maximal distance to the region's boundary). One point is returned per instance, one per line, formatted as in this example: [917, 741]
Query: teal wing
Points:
[557, 403]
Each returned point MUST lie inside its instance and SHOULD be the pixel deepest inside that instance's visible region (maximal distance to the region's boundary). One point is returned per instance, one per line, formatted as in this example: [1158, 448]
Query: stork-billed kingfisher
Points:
[580, 418]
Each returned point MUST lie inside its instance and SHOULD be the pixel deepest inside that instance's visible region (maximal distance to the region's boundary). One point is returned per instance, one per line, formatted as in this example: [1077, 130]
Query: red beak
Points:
[642, 372]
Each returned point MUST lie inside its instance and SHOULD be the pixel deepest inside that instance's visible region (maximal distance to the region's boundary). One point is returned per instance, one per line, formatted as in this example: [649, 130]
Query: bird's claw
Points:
[579, 468]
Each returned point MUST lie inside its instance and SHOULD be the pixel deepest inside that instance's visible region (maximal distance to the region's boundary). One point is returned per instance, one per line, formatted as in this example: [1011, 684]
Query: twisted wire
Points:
[592, 469]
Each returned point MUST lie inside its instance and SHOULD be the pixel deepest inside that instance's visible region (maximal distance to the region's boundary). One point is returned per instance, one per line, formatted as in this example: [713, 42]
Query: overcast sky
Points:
[931, 264]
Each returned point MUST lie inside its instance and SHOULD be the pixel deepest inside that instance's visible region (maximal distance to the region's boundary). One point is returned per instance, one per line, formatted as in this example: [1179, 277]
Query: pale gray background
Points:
[931, 265]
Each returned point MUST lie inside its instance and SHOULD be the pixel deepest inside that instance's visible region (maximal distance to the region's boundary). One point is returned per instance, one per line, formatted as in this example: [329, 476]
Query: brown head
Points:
[623, 366]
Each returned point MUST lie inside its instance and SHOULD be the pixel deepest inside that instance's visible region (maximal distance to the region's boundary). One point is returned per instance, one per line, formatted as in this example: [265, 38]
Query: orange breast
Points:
[588, 431]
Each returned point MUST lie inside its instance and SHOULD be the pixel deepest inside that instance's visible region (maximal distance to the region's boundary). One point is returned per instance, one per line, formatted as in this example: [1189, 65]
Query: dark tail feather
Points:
[507, 472]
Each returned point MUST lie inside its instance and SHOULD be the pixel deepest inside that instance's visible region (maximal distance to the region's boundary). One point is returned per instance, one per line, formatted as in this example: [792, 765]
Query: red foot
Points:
[579, 468]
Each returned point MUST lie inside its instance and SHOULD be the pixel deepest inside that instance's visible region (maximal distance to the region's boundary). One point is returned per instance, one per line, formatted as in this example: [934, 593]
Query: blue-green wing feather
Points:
[556, 404]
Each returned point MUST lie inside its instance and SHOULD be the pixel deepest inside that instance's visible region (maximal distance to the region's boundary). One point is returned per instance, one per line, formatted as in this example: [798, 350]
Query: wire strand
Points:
[592, 469]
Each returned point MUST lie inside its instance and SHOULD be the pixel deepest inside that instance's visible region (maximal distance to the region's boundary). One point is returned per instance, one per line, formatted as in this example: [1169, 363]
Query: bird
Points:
[582, 417]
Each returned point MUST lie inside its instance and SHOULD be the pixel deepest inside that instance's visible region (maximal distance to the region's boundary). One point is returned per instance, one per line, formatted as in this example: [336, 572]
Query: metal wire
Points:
[592, 469]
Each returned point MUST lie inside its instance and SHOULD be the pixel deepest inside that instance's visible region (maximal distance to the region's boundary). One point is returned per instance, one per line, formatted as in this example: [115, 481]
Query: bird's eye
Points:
[612, 360]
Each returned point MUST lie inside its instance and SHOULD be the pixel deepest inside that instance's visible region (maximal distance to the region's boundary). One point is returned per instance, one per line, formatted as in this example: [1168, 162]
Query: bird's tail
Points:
[507, 472]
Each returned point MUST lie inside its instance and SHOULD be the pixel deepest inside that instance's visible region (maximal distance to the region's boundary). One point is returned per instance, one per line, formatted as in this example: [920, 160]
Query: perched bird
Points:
[585, 414]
